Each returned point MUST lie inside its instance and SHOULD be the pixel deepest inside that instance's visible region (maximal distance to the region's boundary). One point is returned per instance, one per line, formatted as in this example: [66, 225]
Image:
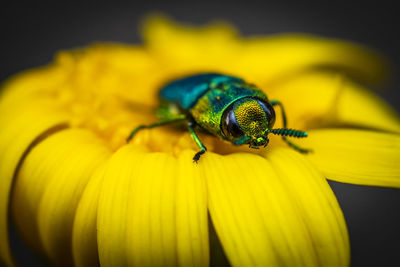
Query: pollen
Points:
[96, 91]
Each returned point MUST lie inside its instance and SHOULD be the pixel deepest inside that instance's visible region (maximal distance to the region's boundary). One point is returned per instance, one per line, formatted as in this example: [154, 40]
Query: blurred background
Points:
[32, 33]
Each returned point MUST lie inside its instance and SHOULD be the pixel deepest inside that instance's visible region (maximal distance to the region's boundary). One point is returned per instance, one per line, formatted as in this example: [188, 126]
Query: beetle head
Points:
[246, 121]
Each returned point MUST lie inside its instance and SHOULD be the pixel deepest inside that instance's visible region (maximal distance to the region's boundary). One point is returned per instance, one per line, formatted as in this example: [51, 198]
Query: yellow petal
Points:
[17, 137]
[258, 219]
[187, 49]
[358, 106]
[84, 236]
[257, 59]
[38, 83]
[191, 213]
[316, 203]
[152, 211]
[276, 57]
[113, 206]
[319, 99]
[356, 156]
[48, 188]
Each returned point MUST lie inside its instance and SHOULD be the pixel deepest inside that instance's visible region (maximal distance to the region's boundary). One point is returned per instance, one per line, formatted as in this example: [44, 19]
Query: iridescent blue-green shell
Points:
[187, 91]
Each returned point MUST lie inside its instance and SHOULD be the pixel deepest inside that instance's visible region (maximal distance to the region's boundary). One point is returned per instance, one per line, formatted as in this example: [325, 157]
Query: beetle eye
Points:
[230, 126]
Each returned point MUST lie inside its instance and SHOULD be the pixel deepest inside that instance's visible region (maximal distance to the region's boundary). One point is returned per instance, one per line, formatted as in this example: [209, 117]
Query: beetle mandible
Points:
[224, 106]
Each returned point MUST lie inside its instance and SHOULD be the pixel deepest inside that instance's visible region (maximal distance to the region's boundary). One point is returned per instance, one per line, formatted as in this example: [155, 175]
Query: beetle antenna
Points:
[287, 132]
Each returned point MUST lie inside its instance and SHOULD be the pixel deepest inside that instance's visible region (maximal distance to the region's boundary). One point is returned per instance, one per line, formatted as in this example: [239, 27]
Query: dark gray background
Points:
[32, 33]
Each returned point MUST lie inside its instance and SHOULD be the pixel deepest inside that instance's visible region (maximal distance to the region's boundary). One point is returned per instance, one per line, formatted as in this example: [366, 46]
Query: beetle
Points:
[223, 106]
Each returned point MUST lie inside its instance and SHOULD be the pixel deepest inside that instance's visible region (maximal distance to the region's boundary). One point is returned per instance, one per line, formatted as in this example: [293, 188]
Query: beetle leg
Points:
[276, 102]
[198, 142]
[242, 140]
[296, 147]
[156, 124]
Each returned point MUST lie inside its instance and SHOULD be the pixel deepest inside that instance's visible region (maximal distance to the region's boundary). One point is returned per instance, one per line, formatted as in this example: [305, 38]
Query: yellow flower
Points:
[80, 195]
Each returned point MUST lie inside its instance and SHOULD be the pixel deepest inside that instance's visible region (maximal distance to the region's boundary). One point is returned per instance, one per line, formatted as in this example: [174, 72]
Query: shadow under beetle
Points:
[224, 106]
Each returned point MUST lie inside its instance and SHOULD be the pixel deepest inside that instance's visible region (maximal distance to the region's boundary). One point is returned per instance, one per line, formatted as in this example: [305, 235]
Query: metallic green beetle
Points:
[224, 106]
